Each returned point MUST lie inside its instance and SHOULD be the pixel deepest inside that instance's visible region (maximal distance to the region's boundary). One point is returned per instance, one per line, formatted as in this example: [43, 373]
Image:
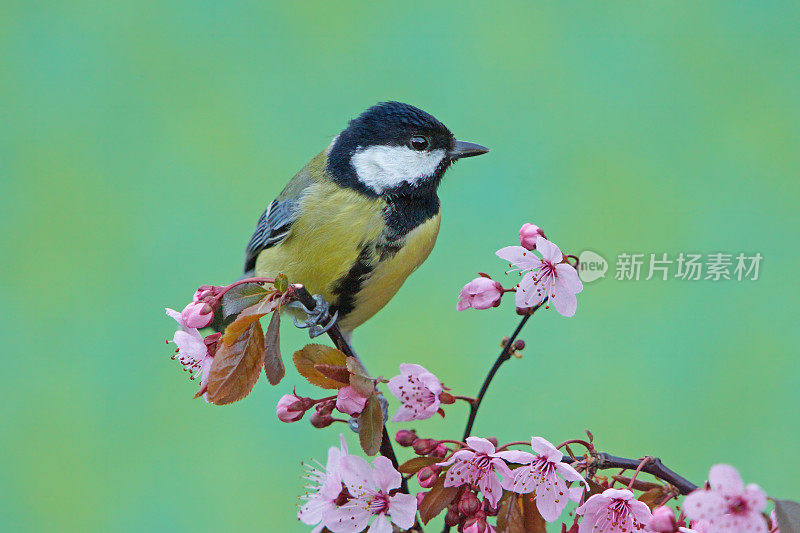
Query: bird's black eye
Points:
[419, 143]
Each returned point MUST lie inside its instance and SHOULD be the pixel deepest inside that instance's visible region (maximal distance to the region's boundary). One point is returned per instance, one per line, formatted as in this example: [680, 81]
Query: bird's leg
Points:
[318, 320]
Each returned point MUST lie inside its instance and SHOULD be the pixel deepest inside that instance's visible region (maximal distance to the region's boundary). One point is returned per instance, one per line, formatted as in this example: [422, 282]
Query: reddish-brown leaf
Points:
[273, 362]
[237, 327]
[509, 519]
[236, 366]
[311, 355]
[653, 497]
[335, 372]
[436, 500]
[412, 466]
[370, 426]
[532, 519]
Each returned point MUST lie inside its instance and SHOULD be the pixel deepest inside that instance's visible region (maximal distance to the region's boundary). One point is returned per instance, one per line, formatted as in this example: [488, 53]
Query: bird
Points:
[363, 214]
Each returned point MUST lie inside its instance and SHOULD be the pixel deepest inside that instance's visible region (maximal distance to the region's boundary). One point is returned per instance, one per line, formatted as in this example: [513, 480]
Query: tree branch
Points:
[655, 467]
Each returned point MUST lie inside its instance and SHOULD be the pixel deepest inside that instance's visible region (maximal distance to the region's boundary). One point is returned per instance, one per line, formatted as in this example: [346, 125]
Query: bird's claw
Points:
[318, 321]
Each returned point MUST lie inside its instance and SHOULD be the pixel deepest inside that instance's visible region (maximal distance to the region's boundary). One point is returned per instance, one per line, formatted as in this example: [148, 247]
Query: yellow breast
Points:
[340, 228]
[387, 277]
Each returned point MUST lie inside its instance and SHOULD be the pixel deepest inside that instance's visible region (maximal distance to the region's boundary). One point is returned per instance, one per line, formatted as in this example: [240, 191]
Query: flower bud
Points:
[405, 437]
[519, 344]
[452, 518]
[663, 521]
[424, 446]
[290, 408]
[197, 315]
[325, 408]
[480, 293]
[427, 477]
[439, 451]
[469, 504]
[319, 420]
[529, 234]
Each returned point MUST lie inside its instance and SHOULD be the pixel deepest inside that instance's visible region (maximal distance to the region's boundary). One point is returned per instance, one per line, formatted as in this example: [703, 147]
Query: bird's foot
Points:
[318, 320]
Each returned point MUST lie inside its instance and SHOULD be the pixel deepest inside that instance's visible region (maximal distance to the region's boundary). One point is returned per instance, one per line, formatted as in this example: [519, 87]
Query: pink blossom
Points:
[197, 315]
[195, 352]
[549, 277]
[480, 293]
[419, 390]
[325, 486]
[613, 511]
[529, 234]
[349, 401]
[479, 465]
[545, 475]
[370, 489]
[728, 506]
[290, 408]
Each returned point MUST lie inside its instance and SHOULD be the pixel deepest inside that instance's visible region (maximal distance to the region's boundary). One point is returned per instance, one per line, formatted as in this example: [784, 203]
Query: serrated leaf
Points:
[335, 372]
[370, 426]
[436, 500]
[412, 466]
[236, 366]
[653, 497]
[242, 297]
[273, 362]
[788, 513]
[355, 367]
[310, 355]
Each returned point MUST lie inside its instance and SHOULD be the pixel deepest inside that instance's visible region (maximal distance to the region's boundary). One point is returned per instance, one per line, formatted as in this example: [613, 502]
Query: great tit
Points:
[362, 215]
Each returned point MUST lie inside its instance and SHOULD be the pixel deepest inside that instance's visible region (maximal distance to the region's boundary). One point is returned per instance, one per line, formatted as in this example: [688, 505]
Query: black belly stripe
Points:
[350, 284]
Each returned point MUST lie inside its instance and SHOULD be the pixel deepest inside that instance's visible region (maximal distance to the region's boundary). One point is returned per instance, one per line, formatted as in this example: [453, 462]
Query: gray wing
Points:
[273, 226]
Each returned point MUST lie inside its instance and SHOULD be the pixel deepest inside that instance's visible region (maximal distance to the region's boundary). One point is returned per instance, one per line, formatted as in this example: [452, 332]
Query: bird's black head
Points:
[395, 149]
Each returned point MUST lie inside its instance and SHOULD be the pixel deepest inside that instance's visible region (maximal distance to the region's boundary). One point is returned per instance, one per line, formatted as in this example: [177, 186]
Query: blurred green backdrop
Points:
[139, 142]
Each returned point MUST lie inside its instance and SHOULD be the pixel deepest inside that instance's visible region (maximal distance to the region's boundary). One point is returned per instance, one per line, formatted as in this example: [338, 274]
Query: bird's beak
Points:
[465, 149]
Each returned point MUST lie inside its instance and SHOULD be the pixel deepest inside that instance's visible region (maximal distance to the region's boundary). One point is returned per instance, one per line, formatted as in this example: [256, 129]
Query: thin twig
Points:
[504, 356]
[654, 467]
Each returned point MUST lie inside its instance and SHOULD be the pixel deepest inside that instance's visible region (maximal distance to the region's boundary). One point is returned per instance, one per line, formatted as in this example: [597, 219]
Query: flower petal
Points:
[543, 447]
[551, 498]
[403, 509]
[515, 456]
[520, 257]
[569, 473]
[491, 488]
[725, 479]
[381, 524]
[356, 474]
[480, 445]
[704, 505]
[755, 497]
[351, 517]
[550, 252]
[525, 480]
[386, 477]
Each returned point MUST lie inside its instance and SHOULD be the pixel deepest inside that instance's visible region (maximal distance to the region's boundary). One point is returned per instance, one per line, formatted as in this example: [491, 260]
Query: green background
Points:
[139, 142]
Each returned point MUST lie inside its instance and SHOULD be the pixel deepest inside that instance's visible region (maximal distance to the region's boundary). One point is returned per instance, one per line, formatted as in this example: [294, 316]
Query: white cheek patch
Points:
[385, 167]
